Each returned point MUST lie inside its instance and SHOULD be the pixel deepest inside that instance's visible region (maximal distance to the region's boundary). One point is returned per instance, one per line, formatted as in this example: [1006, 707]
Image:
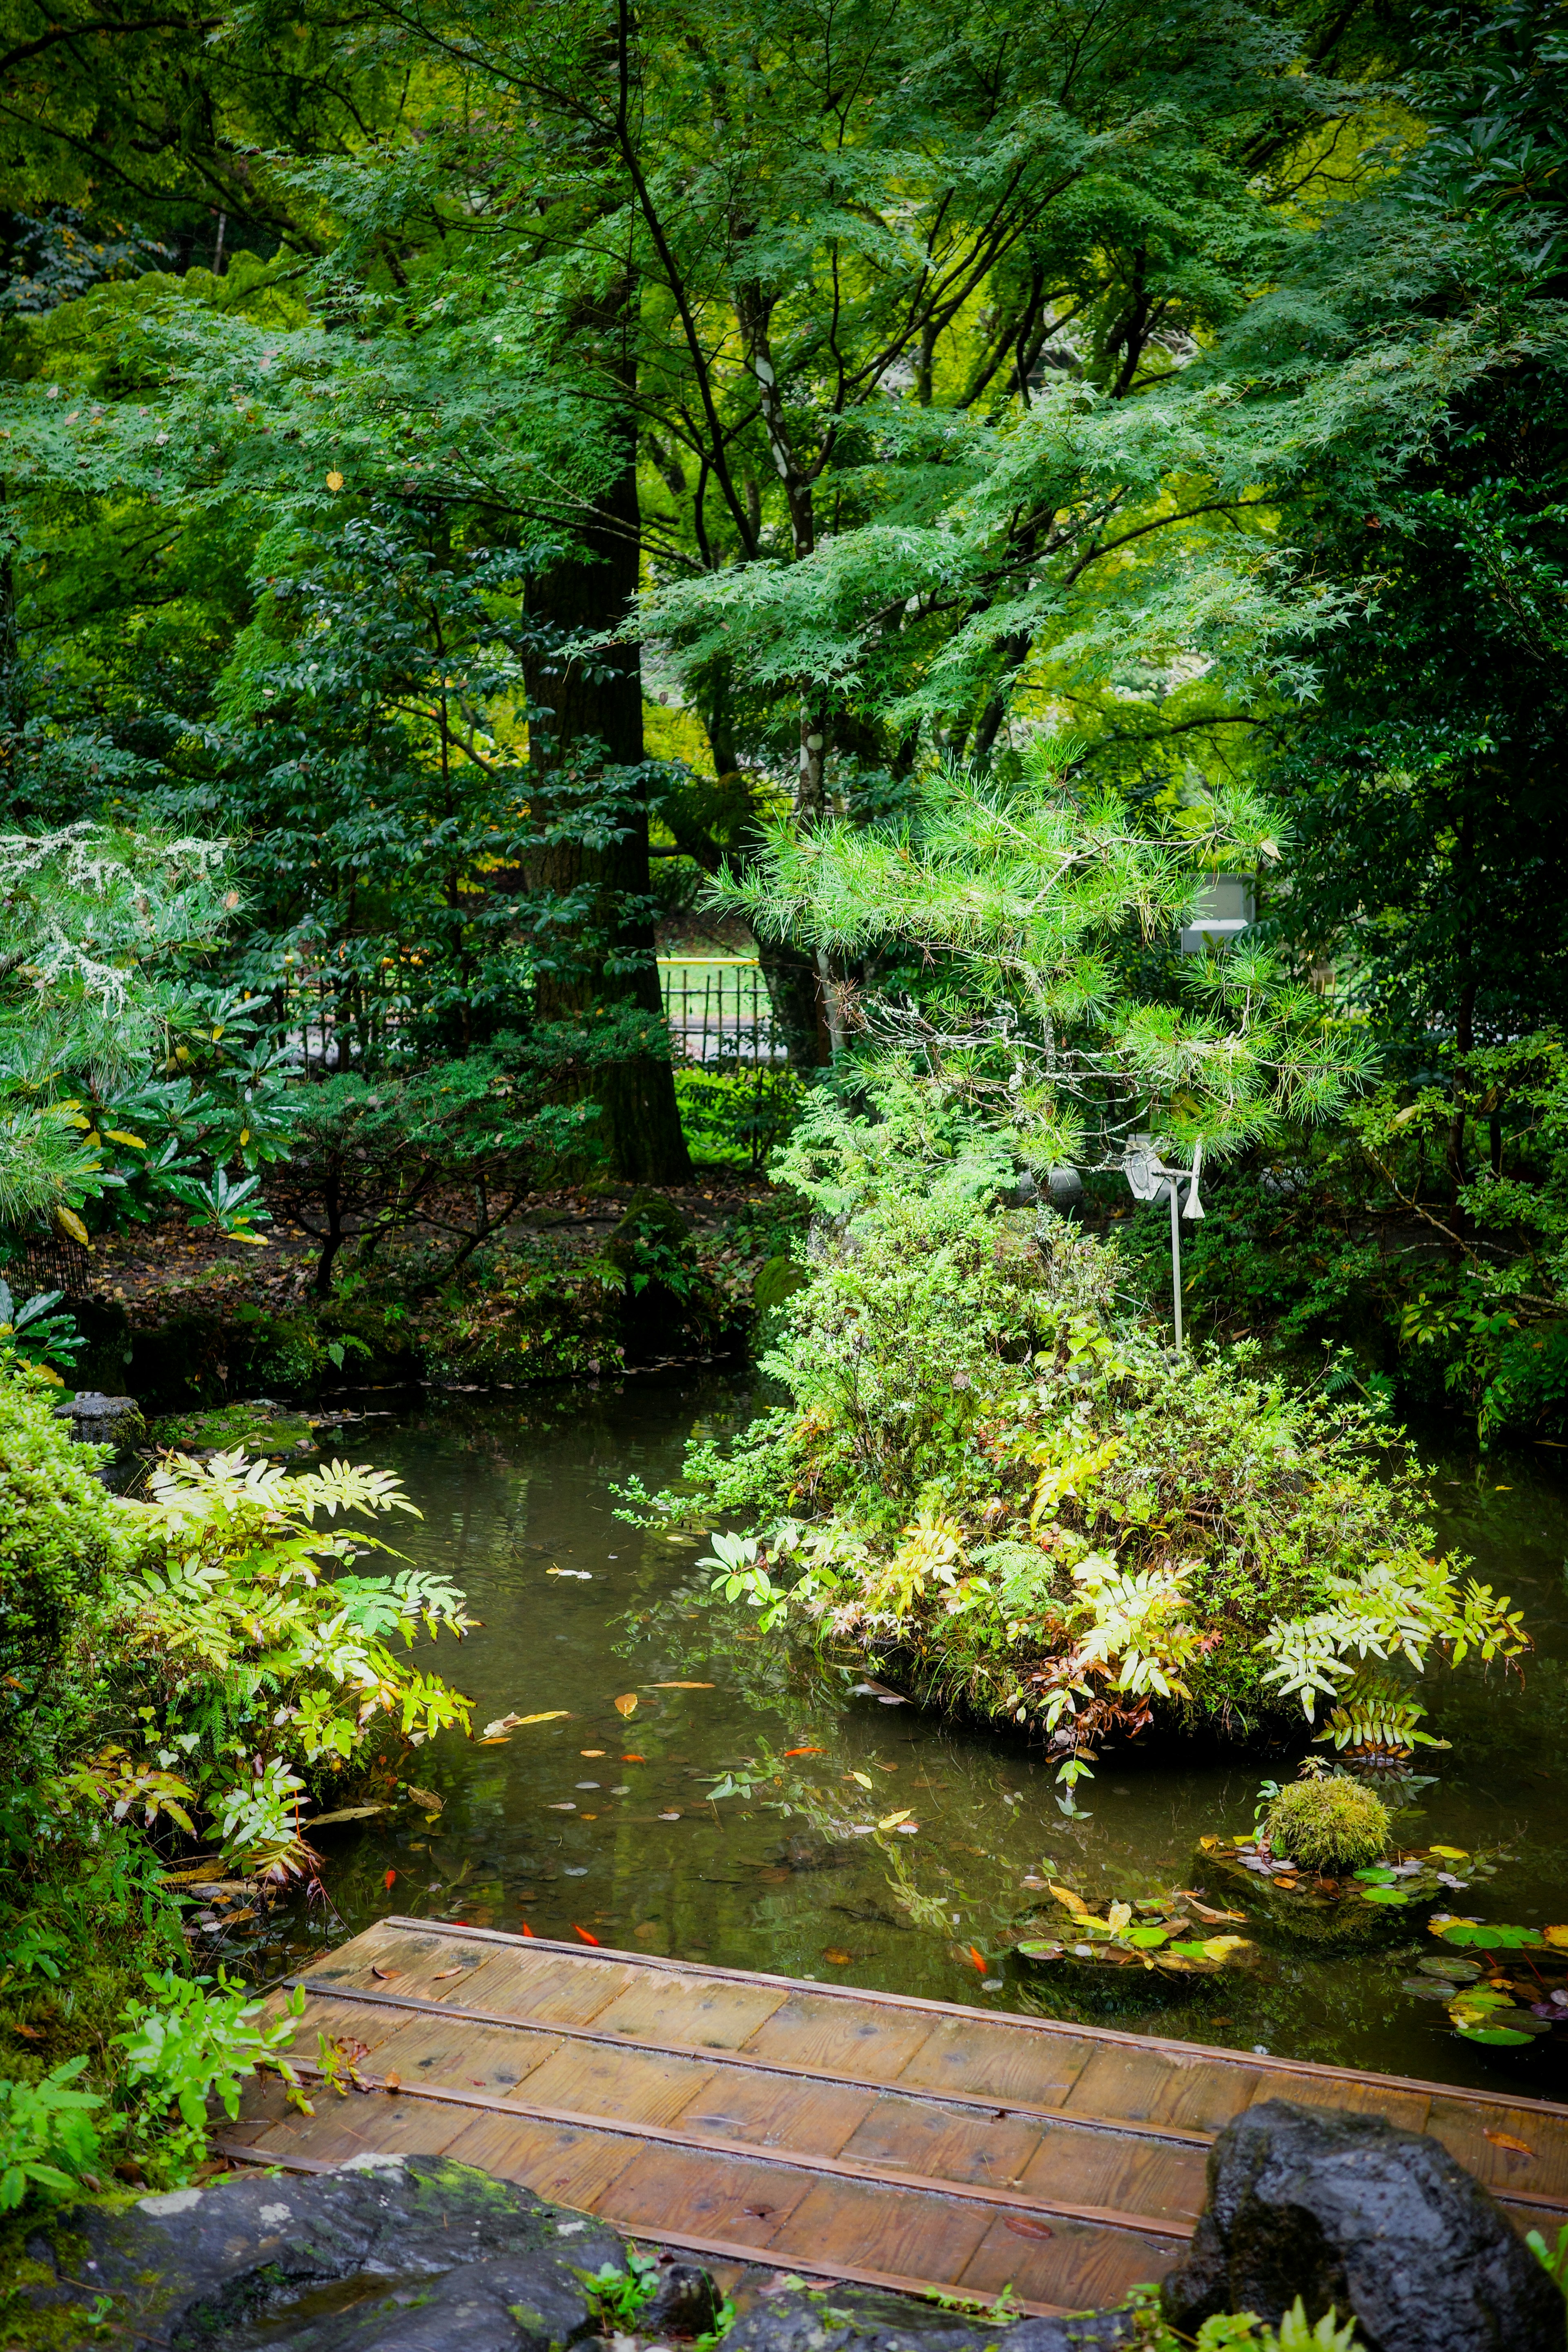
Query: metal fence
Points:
[718, 1011]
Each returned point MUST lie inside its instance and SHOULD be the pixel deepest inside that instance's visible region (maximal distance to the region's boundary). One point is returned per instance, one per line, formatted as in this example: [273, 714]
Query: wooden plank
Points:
[809, 2032]
[744, 2202]
[631, 2083]
[885, 2226]
[774, 2111]
[982, 2059]
[1107, 2036]
[1054, 2268]
[700, 2016]
[840, 2131]
[565, 2163]
[944, 2143]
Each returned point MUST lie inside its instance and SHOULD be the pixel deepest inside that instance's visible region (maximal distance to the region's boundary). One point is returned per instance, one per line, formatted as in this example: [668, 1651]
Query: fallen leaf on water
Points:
[627, 1704]
[587, 1938]
[441, 1974]
[806, 1751]
[427, 1798]
[493, 1739]
[567, 1808]
[864, 1778]
[1557, 1937]
[1450, 1853]
[1203, 1910]
[838, 1955]
[551, 1715]
[1074, 1903]
[347, 1813]
[590, 1751]
[683, 1686]
[1506, 2139]
[891, 1820]
[388, 1879]
[669, 1817]
[1021, 2226]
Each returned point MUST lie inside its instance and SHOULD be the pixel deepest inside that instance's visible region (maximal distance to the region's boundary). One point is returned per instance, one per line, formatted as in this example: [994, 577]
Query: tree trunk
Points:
[601, 699]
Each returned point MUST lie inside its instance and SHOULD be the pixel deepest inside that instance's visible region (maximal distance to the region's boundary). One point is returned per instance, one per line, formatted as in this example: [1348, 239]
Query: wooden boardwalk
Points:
[818, 2128]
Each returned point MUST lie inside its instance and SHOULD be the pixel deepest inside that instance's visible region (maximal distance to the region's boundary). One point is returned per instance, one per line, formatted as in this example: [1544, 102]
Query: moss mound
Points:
[1329, 1825]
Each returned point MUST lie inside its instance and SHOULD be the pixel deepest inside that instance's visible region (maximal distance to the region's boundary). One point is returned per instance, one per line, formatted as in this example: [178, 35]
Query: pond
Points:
[697, 1790]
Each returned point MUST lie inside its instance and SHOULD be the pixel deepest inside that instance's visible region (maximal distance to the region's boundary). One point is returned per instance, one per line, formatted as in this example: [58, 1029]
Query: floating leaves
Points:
[680, 1686]
[1147, 1931]
[838, 1956]
[627, 1704]
[519, 1722]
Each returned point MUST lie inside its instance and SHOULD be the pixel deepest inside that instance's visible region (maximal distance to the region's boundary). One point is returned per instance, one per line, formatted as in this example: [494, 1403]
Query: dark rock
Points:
[869, 2319]
[349, 2254]
[687, 2301]
[98, 1419]
[1349, 2211]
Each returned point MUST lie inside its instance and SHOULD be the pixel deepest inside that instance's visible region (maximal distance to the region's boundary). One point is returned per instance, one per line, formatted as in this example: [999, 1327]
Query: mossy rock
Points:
[258, 1427]
[1330, 1824]
[777, 1280]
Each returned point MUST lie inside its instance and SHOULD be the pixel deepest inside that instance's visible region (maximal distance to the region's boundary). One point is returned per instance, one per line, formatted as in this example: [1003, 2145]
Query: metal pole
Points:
[1176, 1258]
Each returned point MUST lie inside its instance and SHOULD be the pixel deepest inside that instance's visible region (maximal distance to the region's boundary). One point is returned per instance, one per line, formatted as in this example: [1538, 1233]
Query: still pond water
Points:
[603, 1819]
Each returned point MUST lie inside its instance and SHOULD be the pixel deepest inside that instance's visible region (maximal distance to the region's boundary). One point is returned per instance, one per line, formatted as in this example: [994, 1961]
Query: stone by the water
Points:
[1347, 2211]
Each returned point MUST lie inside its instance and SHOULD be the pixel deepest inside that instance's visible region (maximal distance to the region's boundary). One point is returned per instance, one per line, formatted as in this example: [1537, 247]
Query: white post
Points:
[1176, 1257]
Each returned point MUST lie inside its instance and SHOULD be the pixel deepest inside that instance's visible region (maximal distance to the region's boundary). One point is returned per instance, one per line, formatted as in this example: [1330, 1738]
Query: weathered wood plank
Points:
[842, 2131]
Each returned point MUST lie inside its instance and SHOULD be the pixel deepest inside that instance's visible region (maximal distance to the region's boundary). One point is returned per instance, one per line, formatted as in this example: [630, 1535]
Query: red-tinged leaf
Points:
[1504, 2140]
[1021, 2226]
[388, 1879]
[391, 2082]
[441, 1974]
[627, 1704]
[381, 1973]
[584, 1933]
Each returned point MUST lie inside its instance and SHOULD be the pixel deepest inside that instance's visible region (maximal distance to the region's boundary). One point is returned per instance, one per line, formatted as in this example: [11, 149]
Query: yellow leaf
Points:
[118, 1135]
[93, 1140]
[49, 1374]
[66, 1221]
[1075, 1902]
[257, 1241]
[1556, 1936]
[682, 1687]
[864, 1778]
[1220, 1948]
[892, 1819]
[1449, 1852]
[627, 1704]
[551, 1715]
[334, 480]
[1120, 1918]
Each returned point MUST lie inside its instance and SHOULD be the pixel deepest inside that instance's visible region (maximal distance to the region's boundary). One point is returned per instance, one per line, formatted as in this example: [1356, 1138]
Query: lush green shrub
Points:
[991, 1472]
[1329, 1825]
[48, 2135]
[61, 1535]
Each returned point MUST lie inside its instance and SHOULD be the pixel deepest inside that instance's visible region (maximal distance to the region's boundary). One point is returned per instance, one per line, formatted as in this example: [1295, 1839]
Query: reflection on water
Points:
[732, 1814]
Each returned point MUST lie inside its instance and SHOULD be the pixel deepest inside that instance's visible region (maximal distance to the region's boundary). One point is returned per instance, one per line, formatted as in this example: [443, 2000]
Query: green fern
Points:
[1377, 1716]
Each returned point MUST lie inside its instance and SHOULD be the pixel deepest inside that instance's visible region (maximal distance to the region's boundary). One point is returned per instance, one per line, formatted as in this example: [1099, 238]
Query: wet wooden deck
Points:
[818, 2128]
